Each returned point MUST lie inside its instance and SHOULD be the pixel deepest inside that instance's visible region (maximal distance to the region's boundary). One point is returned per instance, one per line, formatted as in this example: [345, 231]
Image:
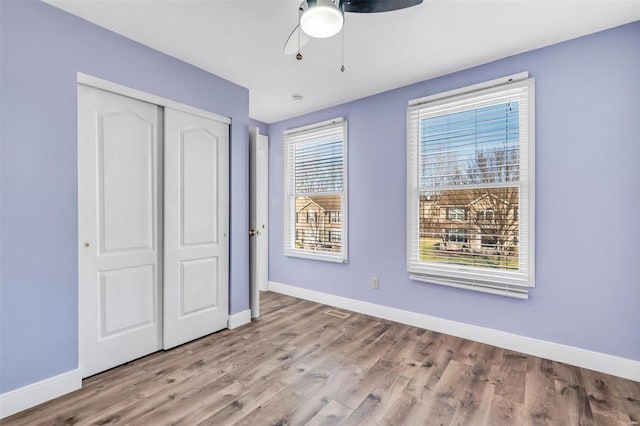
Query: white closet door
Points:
[196, 257]
[118, 228]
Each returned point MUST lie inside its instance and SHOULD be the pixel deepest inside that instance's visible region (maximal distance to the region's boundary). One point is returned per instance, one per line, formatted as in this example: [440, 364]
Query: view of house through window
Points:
[321, 233]
[316, 192]
[471, 180]
[486, 236]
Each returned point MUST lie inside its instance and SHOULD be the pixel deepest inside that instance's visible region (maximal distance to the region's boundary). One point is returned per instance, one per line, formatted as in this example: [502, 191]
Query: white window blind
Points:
[470, 187]
[315, 161]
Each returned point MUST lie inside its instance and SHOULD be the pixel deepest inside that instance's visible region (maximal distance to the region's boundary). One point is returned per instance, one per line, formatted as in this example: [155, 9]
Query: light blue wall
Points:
[588, 198]
[42, 49]
[263, 127]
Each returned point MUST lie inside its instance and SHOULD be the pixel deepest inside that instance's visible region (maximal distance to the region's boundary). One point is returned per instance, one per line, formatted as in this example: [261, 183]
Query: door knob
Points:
[252, 232]
[86, 244]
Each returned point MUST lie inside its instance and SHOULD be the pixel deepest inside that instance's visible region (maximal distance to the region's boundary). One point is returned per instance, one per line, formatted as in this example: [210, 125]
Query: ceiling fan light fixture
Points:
[322, 20]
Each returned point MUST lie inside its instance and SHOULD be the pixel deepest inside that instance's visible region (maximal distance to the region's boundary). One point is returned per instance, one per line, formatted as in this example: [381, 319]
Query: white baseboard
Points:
[36, 393]
[239, 319]
[610, 364]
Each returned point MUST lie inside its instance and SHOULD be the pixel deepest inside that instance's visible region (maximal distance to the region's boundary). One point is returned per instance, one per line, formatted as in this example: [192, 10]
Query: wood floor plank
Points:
[511, 384]
[346, 376]
[296, 366]
[504, 411]
[479, 387]
[613, 398]
[278, 409]
[333, 413]
[258, 394]
[440, 350]
[540, 393]
[376, 377]
[196, 412]
[572, 403]
[450, 391]
[383, 397]
[172, 401]
[398, 414]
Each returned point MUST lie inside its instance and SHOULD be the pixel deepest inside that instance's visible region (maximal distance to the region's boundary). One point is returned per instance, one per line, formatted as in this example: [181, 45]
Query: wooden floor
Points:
[297, 365]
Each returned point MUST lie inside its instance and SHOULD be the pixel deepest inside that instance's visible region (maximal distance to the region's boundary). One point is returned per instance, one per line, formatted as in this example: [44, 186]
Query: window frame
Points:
[290, 249]
[501, 282]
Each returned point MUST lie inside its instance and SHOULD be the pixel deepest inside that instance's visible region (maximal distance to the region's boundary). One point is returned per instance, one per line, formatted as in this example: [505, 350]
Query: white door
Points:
[119, 220]
[258, 216]
[196, 256]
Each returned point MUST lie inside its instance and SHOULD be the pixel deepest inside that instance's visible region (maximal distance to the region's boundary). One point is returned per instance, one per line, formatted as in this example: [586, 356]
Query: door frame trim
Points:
[110, 86]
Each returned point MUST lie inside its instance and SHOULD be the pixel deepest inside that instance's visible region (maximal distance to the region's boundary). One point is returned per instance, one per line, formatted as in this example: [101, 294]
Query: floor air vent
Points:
[338, 314]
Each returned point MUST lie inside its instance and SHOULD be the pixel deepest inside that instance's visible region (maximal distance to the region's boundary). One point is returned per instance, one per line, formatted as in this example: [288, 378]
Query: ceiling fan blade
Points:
[291, 46]
[374, 6]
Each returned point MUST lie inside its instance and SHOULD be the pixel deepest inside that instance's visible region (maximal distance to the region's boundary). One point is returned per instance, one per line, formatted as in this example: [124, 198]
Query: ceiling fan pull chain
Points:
[342, 35]
[299, 55]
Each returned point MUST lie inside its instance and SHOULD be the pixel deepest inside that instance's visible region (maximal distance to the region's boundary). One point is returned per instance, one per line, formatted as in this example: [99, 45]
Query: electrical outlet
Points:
[375, 283]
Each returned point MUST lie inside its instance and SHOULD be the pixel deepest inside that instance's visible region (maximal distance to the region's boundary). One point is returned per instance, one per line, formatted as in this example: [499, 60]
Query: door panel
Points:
[199, 187]
[118, 228]
[196, 271]
[198, 285]
[258, 216]
[262, 214]
[125, 161]
[126, 299]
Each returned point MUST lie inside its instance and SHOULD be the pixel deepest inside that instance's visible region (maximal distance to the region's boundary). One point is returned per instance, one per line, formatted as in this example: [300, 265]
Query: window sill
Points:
[515, 292]
[306, 254]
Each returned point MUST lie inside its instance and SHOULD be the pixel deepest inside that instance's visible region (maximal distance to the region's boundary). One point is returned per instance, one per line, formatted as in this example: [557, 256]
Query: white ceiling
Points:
[242, 41]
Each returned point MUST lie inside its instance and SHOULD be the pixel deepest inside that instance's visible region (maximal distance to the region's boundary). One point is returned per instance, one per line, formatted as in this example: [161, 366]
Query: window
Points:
[316, 185]
[455, 213]
[335, 217]
[487, 215]
[457, 236]
[489, 241]
[470, 159]
[311, 216]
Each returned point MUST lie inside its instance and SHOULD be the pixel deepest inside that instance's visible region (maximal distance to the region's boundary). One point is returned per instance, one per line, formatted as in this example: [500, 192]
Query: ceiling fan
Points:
[325, 18]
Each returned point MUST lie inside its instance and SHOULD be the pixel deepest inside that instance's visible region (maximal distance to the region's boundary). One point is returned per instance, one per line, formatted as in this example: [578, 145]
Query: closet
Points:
[153, 225]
